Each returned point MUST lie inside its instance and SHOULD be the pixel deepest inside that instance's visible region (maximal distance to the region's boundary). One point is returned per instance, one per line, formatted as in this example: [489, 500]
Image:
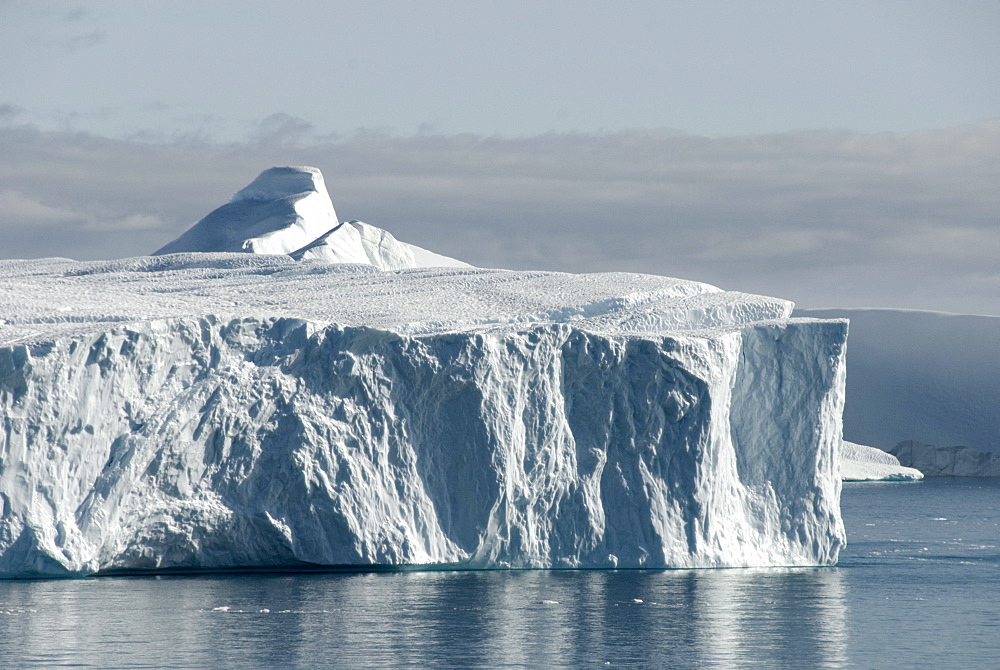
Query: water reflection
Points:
[774, 618]
[723, 618]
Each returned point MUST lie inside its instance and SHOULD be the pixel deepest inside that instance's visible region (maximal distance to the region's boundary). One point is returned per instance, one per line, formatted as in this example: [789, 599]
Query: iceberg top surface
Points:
[282, 182]
[42, 299]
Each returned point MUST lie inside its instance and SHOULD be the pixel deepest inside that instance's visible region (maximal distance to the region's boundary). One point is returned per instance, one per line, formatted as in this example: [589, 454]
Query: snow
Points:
[278, 183]
[428, 259]
[930, 377]
[288, 210]
[49, 297]
[860, 463]
[283, 209]
[221, 410]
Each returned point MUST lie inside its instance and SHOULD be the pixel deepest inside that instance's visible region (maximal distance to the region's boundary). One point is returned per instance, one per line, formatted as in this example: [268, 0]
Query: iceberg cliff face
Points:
[224, 410]
[953, 461]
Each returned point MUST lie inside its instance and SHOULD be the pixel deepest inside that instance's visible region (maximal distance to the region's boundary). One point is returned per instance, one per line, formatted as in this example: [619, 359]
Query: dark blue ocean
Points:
[918, 586]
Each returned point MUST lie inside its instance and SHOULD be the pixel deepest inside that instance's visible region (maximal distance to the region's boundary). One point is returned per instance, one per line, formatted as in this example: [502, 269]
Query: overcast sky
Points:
[838, 154]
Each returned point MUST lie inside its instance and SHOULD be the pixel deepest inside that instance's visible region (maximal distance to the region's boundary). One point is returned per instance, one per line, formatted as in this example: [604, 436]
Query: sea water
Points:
[918, 586]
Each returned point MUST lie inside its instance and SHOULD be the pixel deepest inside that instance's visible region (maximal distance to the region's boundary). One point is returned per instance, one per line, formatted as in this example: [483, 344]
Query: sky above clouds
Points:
[172, 67]
[835, 153]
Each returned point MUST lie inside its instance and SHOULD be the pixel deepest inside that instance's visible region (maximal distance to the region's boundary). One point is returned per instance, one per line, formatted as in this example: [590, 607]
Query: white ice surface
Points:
[287, 210]
[222, 410]
[359, 242]
[44, 298]
[283, 209]
[860, 463]
[428, 259]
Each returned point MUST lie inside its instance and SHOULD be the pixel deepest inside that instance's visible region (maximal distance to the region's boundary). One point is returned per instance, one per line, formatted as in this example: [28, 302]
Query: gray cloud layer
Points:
[824, 218]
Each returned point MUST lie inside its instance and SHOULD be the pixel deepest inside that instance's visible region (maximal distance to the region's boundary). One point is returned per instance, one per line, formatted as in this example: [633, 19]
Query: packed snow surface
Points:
[219, 410]
[860, 463]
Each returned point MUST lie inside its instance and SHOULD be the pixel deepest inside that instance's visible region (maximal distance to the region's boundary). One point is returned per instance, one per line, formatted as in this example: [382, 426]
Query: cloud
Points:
[86, 41]
[825, 218]
[76, 14]
[284, 130]
[15, 206]
[125, 224]
[27, 222]
[9, 112]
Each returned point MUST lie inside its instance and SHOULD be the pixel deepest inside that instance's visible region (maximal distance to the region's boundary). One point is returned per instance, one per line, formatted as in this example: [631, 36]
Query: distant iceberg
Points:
[924, 378]
[953, 461]
[227, 405]
[860, 463]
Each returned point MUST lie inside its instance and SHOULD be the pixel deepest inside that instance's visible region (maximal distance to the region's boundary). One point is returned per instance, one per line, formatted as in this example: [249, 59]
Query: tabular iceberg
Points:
[955, 461]
[860, 463]
[220, 410]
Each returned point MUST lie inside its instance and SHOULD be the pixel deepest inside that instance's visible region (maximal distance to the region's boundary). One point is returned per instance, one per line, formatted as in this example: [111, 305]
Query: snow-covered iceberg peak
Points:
[282, 182]
[282, 210]
[287, 210]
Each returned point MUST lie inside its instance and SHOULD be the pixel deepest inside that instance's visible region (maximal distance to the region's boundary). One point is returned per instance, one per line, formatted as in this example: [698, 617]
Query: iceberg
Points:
[226, 409]
[953, 461]
[861, 463]
[287, 210]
